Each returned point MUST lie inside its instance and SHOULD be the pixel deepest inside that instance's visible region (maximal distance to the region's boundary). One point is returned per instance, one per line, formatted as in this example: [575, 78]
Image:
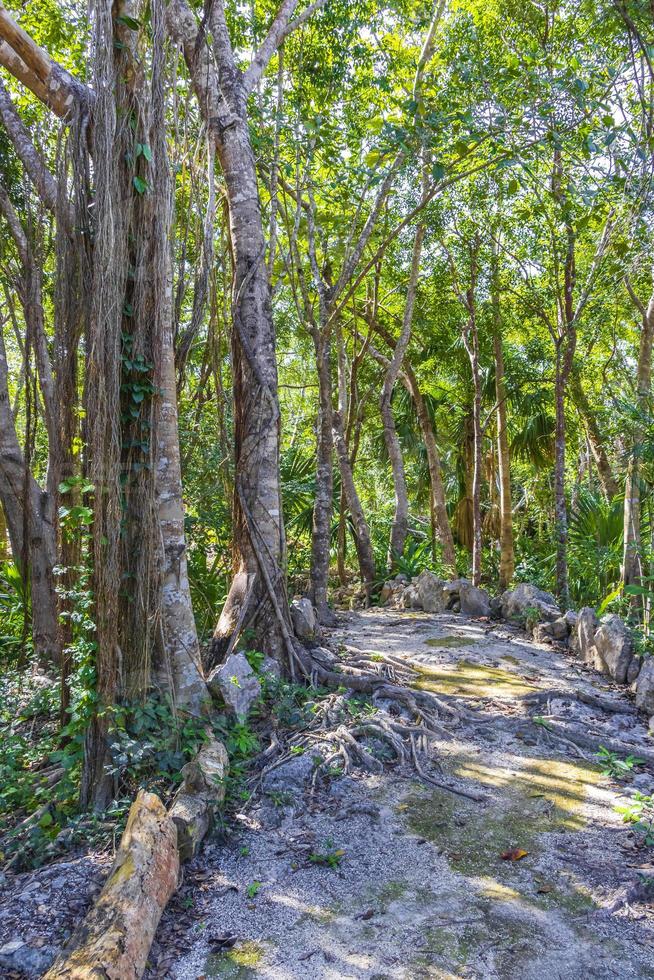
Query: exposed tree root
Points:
[593, 700]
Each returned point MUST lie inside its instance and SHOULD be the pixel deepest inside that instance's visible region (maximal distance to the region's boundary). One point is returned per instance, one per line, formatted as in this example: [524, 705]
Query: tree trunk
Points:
[604, 471]
[258, 526]
[323, 504]
[632, 567]
[400, 526]
[32, 535]
[362, 539]
[560, 507]
[507, 560]
[476, 474]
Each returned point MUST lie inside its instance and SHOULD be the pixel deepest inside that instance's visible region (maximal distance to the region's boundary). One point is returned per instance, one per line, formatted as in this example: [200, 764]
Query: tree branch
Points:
[31, 65]
[43, 181]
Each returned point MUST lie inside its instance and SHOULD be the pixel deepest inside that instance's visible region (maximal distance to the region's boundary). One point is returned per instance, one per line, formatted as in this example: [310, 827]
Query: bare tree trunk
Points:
[507, 560]
[4, 541]
[632, 563]
[400, 526]
[477, 472]
[362, 539]
[604, 471]
[26, 508]
[323, 504]
[560, 507]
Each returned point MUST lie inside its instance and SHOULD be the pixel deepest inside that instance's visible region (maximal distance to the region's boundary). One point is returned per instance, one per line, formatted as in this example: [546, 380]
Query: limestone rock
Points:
[392, 591]
[517, 603]
[270, 669]
[305, 621]
[645, 686]
[474, 601]
[582, 642]
[556, 630]
[28, 960]
[430, 592]
[236, 683]
[615, 648]
[290, 777]
[410, 598]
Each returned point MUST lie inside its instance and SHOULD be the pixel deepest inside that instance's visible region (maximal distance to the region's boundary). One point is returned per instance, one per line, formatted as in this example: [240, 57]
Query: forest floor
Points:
[421, 888]
[383, 876]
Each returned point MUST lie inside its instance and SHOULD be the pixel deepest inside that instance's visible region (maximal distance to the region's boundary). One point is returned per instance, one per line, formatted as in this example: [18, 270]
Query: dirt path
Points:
[421, 889]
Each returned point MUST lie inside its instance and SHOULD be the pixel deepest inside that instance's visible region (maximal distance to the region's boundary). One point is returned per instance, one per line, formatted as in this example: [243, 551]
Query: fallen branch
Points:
[114, 939]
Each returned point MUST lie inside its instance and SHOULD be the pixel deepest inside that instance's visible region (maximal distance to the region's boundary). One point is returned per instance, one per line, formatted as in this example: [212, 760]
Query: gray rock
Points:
[391, 593]
[556, 630]
[343, 787]
[292, 776]
[645, 687]
[304, 619]
[430, 592]
[496, 607]
[634, 670]
[615, 648]
[270, 668]
[410, 598]
[571, 619]
[526, 597]
[236, 683]
[18, 955]
[474, 601]
[582, 643]
[643, 782]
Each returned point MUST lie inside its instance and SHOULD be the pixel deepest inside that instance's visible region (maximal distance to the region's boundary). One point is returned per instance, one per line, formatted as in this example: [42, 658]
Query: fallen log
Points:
[113, 941]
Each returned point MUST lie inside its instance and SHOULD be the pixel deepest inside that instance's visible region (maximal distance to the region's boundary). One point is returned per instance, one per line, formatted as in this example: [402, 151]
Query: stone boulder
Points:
[615, 648]
[430, 593]
[556, 630]
[292, 776]
[519, 602]
[236, 683]
[305, 621]
[410, 598]
[18, 956]
[645, 686]
[474, 601]
[582, 641]
[392, 591]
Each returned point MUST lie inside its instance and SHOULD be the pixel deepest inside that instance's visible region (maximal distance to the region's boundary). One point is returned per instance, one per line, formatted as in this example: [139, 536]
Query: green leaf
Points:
[130, 22]
[140, 185]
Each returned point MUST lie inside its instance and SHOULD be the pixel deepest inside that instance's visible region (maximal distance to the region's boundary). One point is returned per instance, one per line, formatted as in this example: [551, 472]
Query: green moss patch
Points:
[239, 963]
[472, 680]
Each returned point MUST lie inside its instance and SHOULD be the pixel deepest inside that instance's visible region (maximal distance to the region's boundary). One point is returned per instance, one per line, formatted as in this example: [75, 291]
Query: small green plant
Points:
[253, 889]
[532, 618]
[640, 814]
[330, 857]
[615, 767]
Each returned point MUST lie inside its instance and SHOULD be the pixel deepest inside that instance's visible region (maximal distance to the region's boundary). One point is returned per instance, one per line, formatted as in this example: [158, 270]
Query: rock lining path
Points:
[422, 890]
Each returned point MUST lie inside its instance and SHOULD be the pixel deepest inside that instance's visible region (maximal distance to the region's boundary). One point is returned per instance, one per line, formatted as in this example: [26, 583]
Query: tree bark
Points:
[362, 539]
[507, 560]
[400, 526]
[323, 504]
[607, 480]
[114, 939]
[258, 592]
[632, 562]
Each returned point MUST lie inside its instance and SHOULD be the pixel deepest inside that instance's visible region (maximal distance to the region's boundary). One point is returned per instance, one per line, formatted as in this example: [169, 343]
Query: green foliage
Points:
[640, 814]
[330, 857]
[14, 612]
[615, 767]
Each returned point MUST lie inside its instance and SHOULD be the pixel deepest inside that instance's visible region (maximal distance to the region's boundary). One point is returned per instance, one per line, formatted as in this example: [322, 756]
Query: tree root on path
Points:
[584, 740]
[608, 705]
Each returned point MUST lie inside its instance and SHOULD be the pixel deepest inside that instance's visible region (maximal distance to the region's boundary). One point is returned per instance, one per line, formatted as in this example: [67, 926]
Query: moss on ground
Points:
[470, 679]
[239, 963]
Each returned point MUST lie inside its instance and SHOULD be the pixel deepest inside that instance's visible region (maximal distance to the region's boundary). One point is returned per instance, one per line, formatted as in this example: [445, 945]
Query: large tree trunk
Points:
[323, 504]
[632, 563]
[507, 560]
[258, 525]
[400, 526]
